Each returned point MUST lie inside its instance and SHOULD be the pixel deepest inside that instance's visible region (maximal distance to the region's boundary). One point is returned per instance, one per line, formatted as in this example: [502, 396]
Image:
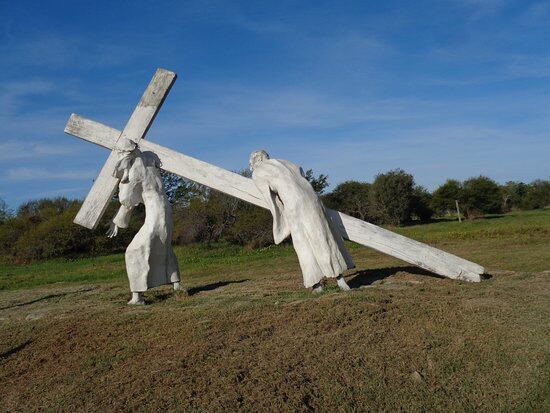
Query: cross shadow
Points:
[213, 286]
[14, 350]
[47, 297]
[367, 277]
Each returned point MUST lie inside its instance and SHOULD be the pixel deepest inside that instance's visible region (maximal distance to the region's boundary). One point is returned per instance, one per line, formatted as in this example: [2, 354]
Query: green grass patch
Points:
[517, 241]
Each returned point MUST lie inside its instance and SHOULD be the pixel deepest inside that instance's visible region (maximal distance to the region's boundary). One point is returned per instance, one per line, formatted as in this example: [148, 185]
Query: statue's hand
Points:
[113, 230]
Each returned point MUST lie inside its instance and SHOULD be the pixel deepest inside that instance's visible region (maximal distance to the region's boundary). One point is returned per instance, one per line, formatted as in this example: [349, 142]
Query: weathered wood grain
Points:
[104, 186]
[406, 249]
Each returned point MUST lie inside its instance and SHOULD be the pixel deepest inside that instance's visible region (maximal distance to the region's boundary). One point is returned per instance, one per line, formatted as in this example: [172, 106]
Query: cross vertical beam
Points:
[144, 114]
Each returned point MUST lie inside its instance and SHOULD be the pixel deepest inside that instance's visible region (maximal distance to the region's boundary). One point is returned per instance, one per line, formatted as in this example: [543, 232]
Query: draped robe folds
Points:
[150, 259]
[297, 211]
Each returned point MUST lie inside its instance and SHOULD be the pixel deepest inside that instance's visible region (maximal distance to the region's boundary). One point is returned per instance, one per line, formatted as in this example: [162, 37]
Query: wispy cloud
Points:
[16, 150]
[54, 51]
[228, 109]
[38, 174]
[12, 93]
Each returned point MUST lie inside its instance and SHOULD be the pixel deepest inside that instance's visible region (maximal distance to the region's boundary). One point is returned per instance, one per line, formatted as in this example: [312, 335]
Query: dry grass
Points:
[249, 338]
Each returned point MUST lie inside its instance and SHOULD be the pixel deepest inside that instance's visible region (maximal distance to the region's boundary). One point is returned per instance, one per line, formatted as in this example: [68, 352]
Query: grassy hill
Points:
[247, 336]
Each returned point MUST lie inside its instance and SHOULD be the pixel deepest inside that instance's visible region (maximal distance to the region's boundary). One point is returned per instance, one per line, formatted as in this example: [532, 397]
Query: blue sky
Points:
[441, 89]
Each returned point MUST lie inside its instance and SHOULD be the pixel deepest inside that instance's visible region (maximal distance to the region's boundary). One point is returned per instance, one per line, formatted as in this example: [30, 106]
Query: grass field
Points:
[248, 337]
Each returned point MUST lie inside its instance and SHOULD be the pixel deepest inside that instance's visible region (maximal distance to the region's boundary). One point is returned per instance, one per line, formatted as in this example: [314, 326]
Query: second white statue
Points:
[298, 211]
[150, 259]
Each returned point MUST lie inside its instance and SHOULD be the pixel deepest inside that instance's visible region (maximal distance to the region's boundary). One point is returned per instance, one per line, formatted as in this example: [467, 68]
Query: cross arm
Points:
[370, 235]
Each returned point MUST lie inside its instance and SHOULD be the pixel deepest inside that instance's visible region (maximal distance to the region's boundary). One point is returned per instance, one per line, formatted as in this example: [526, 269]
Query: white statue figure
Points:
[297, 211]
[150, 259]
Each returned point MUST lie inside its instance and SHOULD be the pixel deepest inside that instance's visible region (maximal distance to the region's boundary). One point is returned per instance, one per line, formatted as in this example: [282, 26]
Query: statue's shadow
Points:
[213, 286]
[165, 295]
[364, 278]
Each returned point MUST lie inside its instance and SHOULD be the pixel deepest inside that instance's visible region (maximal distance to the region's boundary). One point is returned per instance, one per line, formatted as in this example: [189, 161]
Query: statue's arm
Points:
[120, 220]
[122, 217]
[280, 228]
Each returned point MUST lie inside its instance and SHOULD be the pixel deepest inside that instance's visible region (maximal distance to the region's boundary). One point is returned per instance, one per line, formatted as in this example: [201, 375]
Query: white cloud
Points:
[15, 150]
[38, 174]
[11, 93]
[55, 51]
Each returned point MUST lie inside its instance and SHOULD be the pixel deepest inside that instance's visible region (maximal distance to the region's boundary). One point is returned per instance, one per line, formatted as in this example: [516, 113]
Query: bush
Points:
[252, 227]
[537, 195]
[391, 195]
[10, 231]
[352, 198]
[5, 212]
[444, 197]
[57, 236]
[481, 195]
[513, 194]
[420, 204]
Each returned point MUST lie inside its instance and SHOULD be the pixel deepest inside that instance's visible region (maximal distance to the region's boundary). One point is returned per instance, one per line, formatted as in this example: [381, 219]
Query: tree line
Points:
[43, 229]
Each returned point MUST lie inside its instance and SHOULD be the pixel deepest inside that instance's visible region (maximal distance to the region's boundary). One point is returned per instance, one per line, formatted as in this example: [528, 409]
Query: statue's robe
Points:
[297, 211]
[150, 259]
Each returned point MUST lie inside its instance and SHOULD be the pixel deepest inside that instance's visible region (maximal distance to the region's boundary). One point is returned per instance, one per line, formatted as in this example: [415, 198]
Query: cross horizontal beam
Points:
[370, 235]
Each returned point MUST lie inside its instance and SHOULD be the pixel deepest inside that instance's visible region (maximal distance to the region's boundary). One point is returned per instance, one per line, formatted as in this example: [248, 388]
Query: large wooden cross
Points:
[353, 229]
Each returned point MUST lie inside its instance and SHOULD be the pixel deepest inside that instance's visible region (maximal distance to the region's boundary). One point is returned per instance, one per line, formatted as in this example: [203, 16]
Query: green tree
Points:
[352, 198]
[444, 197]
[482, 195]
[180, 191]
[513, 194]
[391, 195]
[319, 183]
[5, 212]
[421, 204]
[42, 209]
[537, 195]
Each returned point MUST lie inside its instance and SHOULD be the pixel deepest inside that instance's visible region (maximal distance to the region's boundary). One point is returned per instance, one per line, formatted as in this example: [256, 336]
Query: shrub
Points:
[252, 227]
[5, 212]
[54, 237]
[391, 195]
[420, 204]
[537, 195]
[513, 194]
[481, 196]
[352, 198]
[10, 231]
[444, 197]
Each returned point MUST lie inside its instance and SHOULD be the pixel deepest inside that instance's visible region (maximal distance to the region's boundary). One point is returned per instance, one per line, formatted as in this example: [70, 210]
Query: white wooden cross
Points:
[353, 229]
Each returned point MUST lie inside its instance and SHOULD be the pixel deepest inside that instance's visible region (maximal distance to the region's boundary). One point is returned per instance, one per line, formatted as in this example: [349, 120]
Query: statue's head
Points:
[127, 151]
[256, 158]
[125, 146]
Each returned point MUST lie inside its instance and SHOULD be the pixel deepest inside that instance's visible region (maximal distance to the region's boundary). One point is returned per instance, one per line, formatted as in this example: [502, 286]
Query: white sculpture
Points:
[364, 233]
[150, 259]
[298, 211]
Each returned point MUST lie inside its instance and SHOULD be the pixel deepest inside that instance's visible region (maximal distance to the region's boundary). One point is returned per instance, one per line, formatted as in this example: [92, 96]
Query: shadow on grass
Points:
[368, 277]
[14, 350]
[165, 295]
[47, 297]
[213, 286]
[444, 220]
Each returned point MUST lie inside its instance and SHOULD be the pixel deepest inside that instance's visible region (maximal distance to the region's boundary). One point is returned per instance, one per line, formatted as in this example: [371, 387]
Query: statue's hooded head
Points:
[256, 158]
[127, 150]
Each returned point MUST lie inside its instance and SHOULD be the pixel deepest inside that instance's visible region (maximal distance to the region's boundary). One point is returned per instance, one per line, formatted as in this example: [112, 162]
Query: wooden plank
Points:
[370, 235]
[150, 103]
[406, 249]
[105, 185]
